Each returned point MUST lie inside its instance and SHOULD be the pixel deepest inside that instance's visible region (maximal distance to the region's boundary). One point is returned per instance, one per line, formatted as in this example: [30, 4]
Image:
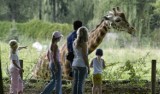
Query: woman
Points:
[80, 63]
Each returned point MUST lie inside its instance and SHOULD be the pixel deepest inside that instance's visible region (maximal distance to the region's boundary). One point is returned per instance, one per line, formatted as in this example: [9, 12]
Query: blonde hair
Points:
[82, 36]
[12, 43]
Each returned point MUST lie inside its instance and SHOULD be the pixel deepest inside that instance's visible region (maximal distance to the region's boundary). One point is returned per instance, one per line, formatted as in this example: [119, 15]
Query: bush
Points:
[35, 29]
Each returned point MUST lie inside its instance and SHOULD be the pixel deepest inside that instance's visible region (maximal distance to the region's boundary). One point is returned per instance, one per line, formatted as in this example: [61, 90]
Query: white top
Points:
[14, 56]
[97, 65]
[78, 60]
[51, 55]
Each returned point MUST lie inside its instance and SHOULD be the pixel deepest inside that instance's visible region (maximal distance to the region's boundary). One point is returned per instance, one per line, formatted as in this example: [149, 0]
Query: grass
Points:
[140, 59]
[121, 63]
[128, 63]
[29, 57]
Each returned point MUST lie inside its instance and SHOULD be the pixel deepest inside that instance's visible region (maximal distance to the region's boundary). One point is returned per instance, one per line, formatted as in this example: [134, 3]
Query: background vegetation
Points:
[127, 57]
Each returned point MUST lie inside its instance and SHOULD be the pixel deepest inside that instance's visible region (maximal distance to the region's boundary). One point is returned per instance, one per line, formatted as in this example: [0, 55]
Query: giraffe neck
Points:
[97, 35]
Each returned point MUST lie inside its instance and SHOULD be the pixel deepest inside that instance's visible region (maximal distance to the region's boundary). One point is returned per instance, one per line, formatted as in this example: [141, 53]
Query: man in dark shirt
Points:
[70, 39]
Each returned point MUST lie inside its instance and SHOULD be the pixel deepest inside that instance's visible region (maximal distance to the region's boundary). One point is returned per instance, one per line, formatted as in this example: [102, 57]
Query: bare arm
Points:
[22, 47]
[55, 52]
[48, 56]
[15, 64]
[54, 49]
[91, 65]
[104, 66]
[85, 55]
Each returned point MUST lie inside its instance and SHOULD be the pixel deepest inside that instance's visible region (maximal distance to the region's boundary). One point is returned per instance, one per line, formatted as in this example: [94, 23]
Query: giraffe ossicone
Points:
[114, 19]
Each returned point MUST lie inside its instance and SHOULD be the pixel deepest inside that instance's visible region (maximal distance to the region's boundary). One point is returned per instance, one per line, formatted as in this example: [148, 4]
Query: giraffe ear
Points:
[114, 11]
[118, 9]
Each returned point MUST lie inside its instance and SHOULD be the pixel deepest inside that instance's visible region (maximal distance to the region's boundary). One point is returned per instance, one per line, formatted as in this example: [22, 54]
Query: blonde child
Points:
[98, 64]
[16, 86]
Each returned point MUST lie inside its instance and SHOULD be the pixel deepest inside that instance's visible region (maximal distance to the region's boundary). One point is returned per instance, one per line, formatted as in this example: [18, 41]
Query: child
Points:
[16, 86]
[98, 65]
[54, 65]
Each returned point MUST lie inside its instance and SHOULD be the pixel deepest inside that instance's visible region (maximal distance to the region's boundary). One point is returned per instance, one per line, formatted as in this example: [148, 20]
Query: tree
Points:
[155, 17]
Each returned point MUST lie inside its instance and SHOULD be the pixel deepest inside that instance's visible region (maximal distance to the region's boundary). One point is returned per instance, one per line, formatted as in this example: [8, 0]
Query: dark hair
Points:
[99, 52]
[77, 24]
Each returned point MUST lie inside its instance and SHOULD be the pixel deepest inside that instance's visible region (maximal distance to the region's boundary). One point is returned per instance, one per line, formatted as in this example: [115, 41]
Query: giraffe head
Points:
[118, 21]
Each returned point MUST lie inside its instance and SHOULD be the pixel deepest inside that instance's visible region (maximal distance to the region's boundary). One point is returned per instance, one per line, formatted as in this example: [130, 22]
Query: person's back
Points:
[80, 63]
[78, 57]
[50, 55]
[77, 24]
[98, 65]
[70, 40]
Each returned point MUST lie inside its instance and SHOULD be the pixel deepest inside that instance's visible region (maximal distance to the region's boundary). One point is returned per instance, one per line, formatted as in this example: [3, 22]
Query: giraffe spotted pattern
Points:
[113, 19]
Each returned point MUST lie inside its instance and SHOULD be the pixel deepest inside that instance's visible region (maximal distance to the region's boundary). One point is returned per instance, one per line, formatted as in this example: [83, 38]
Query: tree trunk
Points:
[40, 9]
[1, 82]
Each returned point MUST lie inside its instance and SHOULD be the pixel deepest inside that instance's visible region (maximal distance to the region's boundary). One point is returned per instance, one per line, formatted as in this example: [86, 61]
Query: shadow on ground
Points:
[109, 87]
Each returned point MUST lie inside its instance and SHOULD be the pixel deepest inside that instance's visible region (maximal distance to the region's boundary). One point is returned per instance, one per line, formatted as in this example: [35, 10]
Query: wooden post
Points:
[153, 77]
[1, 80]
[21, 64]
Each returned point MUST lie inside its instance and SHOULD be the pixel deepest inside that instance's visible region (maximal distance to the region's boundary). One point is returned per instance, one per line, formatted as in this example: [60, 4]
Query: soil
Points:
[109, 87]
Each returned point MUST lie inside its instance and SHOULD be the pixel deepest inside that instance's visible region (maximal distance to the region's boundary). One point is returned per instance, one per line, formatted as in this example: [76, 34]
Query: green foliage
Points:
[155, 17]
[142, 14]
[157, 6]
[131, 71]
[39, 29]
[34, 29]
[155, 37]
[4, 28]
[80, 9]
[13, 34]
[132, 64]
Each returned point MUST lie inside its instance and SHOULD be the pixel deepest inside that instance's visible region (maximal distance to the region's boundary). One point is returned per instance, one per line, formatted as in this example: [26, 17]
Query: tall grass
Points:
[117, 61]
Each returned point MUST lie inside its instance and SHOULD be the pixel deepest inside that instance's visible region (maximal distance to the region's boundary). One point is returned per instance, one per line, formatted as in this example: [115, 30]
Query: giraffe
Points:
[114, 19]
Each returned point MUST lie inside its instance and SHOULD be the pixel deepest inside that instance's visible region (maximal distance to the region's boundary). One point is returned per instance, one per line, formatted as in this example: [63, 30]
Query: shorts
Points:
[97, 79]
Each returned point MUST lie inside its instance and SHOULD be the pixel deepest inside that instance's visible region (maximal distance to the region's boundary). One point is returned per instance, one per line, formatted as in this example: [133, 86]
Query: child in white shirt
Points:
[98, 64]
[15, 69]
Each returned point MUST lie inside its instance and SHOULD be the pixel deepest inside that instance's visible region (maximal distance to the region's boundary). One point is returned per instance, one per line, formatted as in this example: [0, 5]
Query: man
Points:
[70, 39]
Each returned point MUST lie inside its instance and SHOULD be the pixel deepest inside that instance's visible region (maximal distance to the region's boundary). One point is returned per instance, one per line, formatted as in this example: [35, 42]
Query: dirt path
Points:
[108, 87]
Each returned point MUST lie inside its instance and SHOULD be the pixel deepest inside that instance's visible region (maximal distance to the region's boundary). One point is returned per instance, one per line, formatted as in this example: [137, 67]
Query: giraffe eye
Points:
[117, 20]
